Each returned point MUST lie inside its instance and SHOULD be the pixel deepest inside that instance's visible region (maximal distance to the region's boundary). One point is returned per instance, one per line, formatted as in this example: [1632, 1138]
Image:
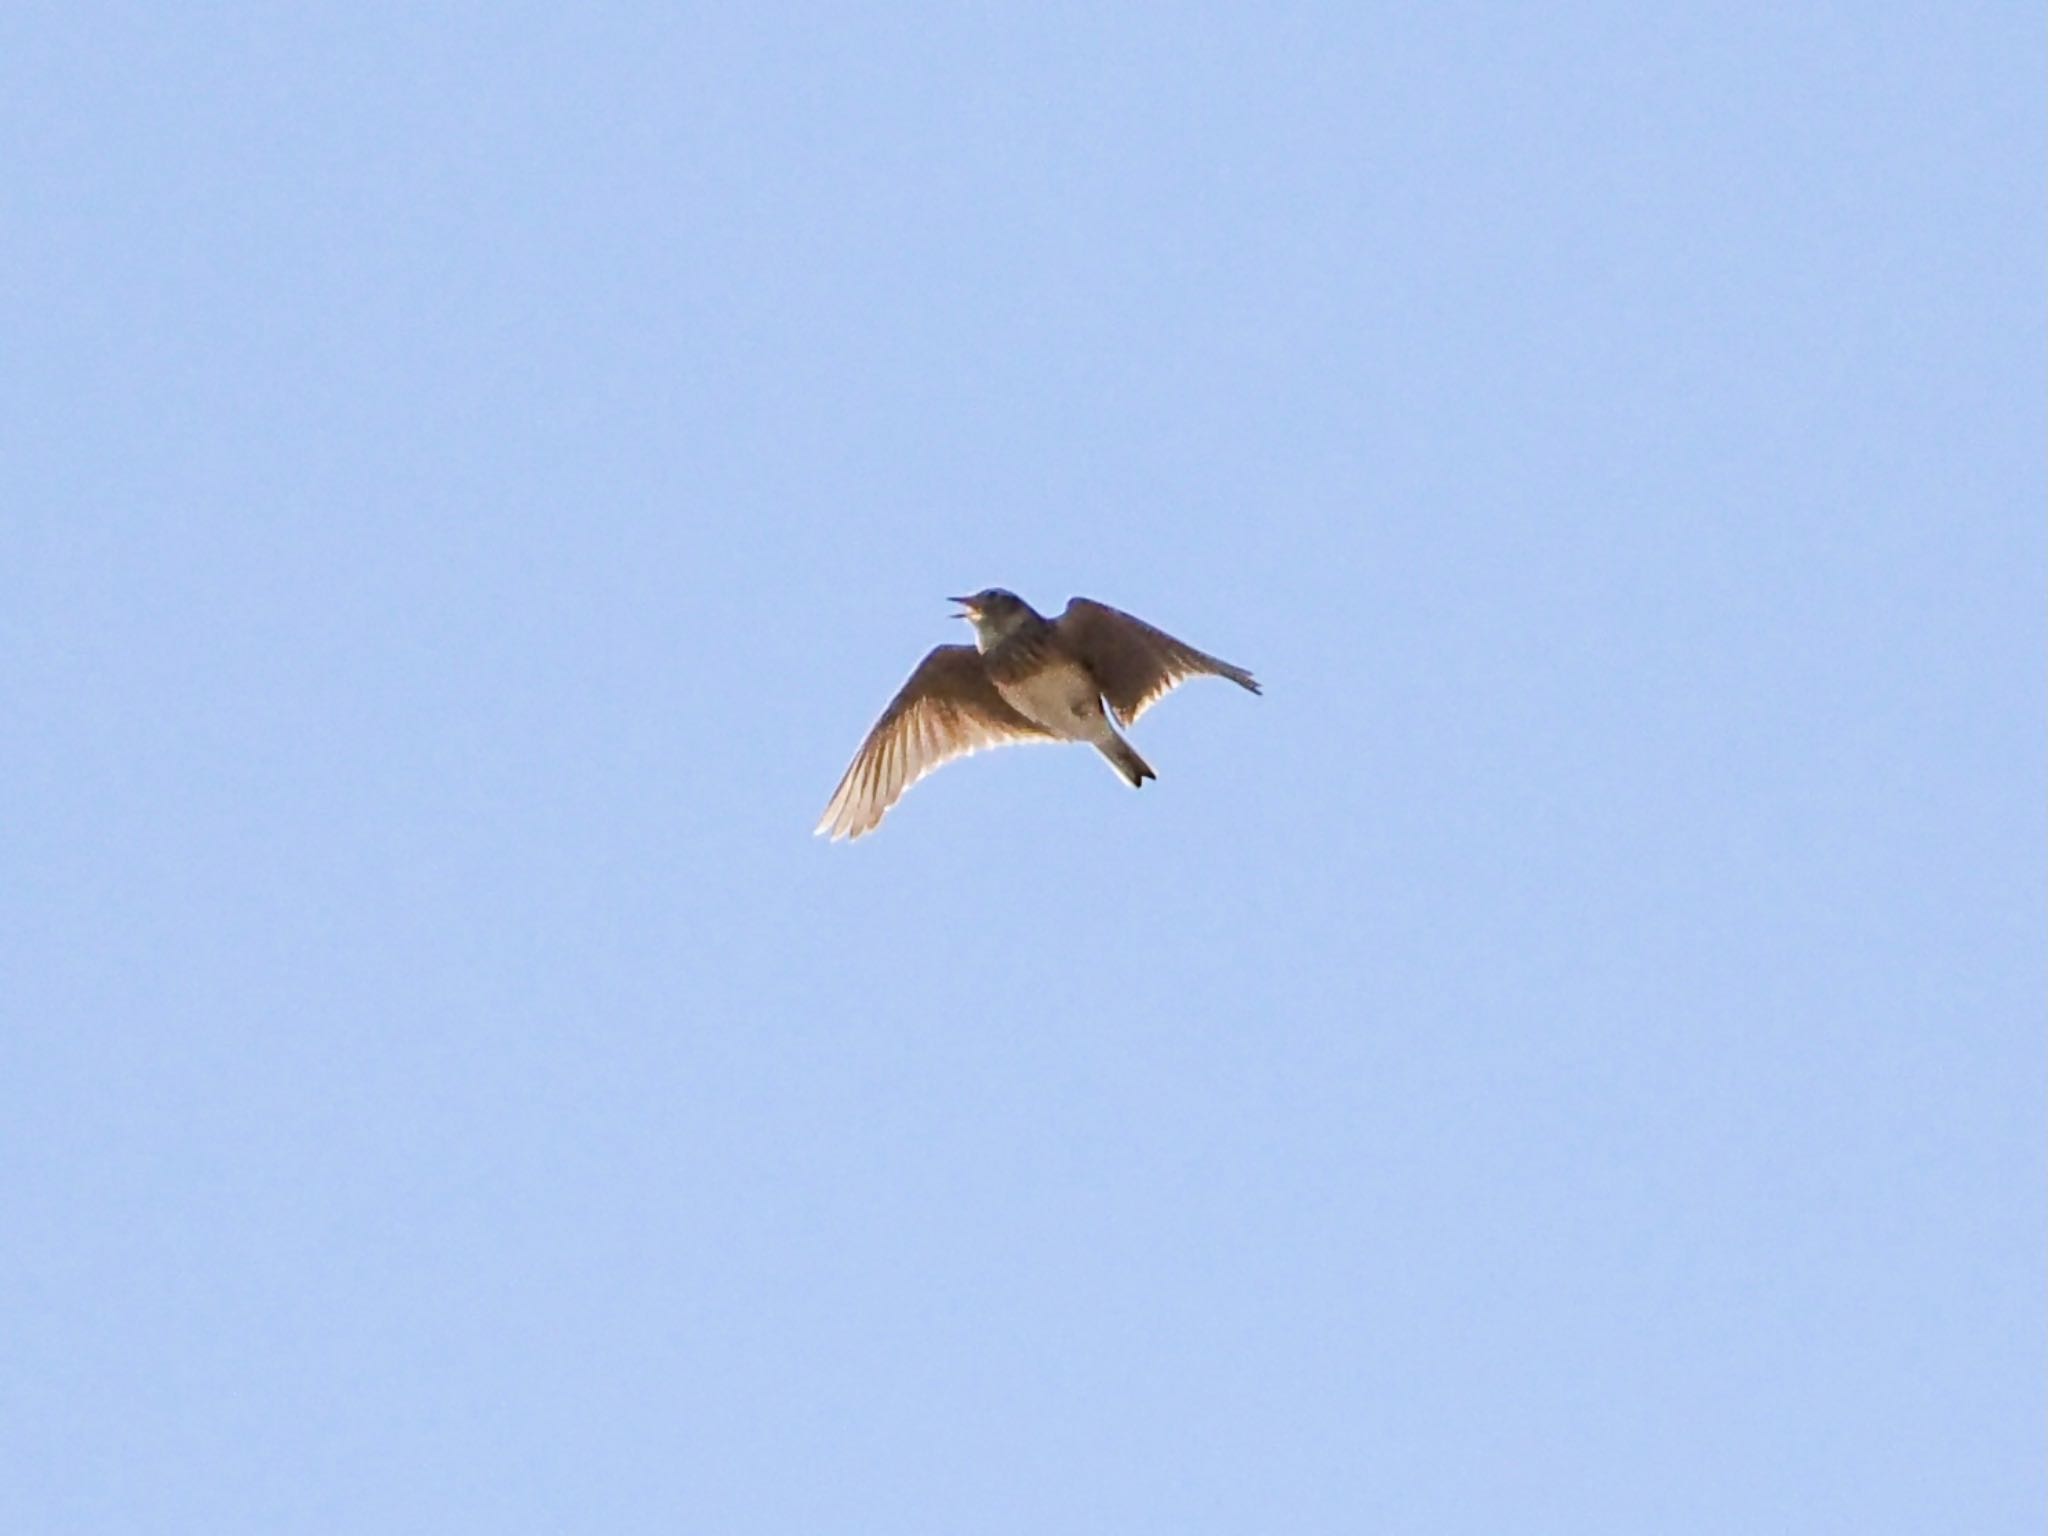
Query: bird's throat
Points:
[992, 629]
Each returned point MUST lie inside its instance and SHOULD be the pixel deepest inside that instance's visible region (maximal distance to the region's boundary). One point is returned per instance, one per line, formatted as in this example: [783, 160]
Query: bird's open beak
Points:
[968, 606]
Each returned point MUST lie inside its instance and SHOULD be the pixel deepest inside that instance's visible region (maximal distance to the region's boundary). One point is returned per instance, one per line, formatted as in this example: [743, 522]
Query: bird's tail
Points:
[1123, 757]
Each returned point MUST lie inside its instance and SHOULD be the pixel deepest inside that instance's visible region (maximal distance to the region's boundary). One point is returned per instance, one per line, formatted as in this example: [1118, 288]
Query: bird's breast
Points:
[1047, 686]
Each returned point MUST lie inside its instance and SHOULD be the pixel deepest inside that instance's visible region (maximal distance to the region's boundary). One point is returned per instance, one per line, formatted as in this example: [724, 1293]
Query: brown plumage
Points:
[1136, 664]
[1031, 679]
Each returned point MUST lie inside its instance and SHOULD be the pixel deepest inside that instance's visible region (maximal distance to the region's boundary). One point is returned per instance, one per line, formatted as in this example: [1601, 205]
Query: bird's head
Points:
[994, 613]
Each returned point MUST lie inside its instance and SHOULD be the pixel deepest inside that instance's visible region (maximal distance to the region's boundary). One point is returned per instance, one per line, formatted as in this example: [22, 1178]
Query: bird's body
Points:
[1028, 678]
[1049, 686]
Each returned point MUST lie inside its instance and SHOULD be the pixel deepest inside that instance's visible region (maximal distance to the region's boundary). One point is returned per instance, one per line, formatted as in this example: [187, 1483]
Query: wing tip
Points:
[838, 826]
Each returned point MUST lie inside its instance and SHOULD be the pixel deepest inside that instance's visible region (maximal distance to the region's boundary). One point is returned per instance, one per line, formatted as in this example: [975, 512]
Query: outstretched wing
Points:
[948, 709]
[1136, 664]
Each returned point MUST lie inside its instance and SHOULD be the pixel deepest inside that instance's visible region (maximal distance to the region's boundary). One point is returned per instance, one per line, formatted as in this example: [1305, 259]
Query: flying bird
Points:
[1026, 678]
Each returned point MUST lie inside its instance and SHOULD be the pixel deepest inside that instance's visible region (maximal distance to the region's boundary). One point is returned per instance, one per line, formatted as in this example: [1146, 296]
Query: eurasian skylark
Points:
[1025, 678]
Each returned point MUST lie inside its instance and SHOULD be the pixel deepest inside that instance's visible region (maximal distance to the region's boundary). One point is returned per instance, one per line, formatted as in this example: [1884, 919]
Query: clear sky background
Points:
[1570, 1058]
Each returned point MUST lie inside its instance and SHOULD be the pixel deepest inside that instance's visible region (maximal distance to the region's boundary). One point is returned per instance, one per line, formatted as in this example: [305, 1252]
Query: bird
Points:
[1026, 678]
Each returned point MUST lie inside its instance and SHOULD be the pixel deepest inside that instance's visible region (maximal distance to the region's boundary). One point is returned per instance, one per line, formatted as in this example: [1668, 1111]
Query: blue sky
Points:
[1569, 1058]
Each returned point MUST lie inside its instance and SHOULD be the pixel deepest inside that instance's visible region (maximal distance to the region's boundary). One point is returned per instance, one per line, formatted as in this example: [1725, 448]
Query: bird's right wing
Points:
[948, 709]
[1136, 664]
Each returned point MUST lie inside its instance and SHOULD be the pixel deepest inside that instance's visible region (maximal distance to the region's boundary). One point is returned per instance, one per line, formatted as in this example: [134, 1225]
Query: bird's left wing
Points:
[948, 709]
[1136, 664]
